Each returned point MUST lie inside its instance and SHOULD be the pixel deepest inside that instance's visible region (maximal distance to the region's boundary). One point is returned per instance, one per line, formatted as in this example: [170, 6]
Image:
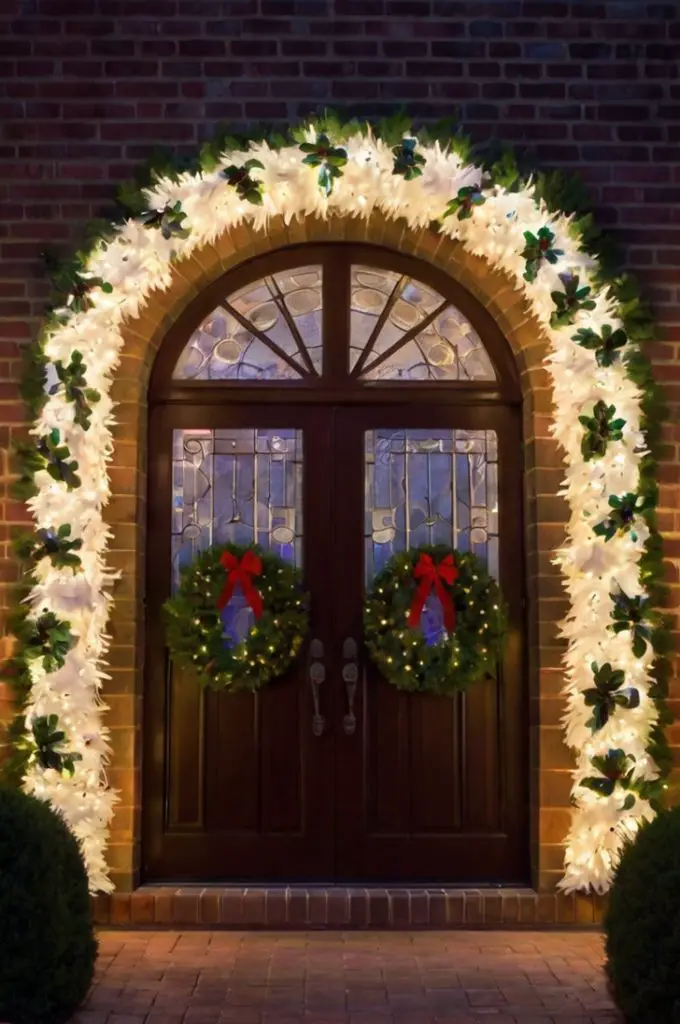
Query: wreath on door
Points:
[239, 617]
[434, 620]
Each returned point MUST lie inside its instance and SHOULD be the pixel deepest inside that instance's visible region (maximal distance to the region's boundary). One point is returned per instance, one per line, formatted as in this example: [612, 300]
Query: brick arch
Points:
[545, 514]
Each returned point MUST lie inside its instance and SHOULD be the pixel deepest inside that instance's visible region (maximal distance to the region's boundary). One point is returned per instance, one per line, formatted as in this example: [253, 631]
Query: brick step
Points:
[279, 907]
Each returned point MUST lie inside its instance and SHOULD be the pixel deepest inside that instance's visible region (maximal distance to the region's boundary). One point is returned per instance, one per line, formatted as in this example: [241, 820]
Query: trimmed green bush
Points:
[47, 943]
[642, 925]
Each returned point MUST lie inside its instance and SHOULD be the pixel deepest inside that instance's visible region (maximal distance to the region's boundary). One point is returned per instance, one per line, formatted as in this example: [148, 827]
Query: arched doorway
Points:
[335, 402]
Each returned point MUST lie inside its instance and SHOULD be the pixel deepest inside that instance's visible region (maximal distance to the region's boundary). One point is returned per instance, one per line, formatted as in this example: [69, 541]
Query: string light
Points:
[495, 230]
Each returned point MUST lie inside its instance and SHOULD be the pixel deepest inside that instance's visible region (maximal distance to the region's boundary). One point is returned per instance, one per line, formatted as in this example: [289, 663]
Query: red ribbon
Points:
[434, 576]
[241, 573]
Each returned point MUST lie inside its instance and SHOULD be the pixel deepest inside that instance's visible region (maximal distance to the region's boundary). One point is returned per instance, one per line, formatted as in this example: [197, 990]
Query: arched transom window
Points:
[400, 329]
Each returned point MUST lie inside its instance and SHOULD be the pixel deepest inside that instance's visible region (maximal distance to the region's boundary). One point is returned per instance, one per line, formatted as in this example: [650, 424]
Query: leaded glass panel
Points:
[385, 343]
[238, 485]
[268, 330]
[430, 487]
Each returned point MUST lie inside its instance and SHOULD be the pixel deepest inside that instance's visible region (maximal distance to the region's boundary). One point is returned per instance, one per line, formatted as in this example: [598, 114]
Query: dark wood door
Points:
[429, 788]
[398, 787]
[237, 787]
[337, 403]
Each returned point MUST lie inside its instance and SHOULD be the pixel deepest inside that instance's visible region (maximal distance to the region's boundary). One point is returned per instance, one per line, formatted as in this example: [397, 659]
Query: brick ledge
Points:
[281, 907]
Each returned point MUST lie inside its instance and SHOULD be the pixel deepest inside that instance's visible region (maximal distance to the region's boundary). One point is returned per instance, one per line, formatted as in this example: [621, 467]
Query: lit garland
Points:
[601, 392]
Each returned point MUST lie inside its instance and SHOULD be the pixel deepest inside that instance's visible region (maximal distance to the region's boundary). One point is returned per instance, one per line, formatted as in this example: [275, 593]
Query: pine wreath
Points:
[434, 620]
[199, 636]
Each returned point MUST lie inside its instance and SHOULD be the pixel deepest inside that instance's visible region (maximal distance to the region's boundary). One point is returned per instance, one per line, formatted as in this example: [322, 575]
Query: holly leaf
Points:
[571, 301]
[621, 519]
[407, 160]
[616, 768]
[168, 220]
[538, 248]
[242, 181]
[328, 158]
[463, 205]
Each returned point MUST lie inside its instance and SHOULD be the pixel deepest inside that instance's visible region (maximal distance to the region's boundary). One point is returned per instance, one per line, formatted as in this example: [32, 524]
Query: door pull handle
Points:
[350, 676]
[317, 674]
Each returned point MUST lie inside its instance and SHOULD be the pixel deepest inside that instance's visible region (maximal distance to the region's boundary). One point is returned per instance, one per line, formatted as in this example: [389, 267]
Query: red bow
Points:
[431, 575]
[241, 573]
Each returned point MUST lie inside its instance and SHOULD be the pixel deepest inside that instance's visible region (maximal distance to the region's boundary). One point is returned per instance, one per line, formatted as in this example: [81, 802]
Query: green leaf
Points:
[393, 129]
[328, 158]
[538, 248]
[48, 454]
[569, 302]
[55, 545]
[505, 171]
[48, 639]
[241, 180]
[607, 694]
[605, 345]
[635, 615]
[616, 769]
[168, 220]
[44, 745]
[73, 383]
[34, 376]
[600, 428]
[463, 205]
[621, 519]
[407, 160]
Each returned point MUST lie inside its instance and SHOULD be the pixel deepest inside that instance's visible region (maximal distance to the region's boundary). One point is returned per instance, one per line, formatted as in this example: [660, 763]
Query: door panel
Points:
[238, 786]
[430, 789]
[397, 787]
[425, 789]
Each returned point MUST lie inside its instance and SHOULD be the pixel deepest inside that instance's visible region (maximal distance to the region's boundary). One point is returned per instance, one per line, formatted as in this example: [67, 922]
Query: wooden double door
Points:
[330, 774]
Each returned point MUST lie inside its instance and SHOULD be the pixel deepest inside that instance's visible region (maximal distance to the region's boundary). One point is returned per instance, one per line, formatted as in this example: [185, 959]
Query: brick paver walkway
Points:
[349, 978]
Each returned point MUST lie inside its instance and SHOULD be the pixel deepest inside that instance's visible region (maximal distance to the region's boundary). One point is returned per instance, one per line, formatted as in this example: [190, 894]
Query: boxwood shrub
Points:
[47, 942]
[642, 925]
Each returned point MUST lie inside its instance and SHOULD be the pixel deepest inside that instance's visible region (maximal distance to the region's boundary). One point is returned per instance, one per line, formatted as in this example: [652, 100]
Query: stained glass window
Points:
[430, 487]
[404, 330]
[400, 329]
[269, 330]
[238, 485]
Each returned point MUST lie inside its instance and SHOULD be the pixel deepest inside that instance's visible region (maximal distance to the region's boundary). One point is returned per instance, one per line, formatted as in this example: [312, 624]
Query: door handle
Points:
[350, 676]
[317, 674]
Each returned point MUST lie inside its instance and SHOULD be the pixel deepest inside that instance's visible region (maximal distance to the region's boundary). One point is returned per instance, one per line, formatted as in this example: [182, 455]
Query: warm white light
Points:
[589, 564]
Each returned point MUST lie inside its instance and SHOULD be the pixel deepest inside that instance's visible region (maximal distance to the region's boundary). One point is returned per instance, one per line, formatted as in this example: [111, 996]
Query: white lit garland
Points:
[139, 260]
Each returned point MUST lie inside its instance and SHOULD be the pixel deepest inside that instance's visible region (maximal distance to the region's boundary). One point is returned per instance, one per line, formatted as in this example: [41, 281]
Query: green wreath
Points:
[198, 637]
[465, 641]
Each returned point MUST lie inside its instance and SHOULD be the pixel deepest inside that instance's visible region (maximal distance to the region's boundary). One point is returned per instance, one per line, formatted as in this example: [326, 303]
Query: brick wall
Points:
[89, 87]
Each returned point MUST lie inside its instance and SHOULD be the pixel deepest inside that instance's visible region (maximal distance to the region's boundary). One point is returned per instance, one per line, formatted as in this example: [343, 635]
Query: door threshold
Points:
[344, 907]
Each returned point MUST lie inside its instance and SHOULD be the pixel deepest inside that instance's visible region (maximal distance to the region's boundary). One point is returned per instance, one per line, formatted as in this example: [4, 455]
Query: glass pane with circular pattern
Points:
[268, 330]
[401, 329]
[430, 487]
[240, 485]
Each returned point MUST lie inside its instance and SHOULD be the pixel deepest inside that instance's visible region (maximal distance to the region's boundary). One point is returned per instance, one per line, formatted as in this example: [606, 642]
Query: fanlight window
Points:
[269, 330]
[400, 329]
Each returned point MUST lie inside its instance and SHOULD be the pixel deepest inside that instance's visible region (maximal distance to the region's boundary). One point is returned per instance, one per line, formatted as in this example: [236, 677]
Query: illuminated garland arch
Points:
[603, 397]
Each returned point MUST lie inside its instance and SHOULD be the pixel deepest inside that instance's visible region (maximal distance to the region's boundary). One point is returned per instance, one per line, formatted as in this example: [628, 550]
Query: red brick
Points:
[88, 95]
